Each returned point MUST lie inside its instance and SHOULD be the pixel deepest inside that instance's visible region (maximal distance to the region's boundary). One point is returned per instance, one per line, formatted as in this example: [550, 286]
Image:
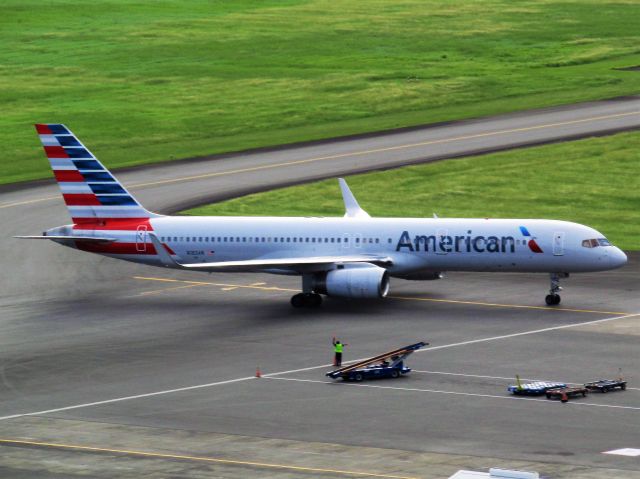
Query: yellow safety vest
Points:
[339, 347]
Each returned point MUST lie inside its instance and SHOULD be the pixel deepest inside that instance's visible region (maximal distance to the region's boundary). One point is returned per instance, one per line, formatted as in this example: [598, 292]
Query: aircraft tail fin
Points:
[92, 194]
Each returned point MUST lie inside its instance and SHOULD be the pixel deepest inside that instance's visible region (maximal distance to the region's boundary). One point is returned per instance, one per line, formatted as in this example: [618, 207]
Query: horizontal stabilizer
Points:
[91, 239]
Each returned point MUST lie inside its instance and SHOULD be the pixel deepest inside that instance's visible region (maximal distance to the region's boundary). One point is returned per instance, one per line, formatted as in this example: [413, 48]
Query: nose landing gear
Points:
[553, 298]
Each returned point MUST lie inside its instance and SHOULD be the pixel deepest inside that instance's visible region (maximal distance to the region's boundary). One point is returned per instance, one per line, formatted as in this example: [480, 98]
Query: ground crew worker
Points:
[338, 347]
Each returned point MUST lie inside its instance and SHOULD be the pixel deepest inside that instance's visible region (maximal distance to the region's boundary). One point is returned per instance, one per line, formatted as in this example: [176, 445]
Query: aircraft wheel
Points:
[298, 300]
[315, 300]
[552, 299]
[306, 300]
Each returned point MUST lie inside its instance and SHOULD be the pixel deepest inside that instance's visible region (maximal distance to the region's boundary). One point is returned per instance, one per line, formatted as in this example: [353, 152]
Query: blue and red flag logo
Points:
[533, 246]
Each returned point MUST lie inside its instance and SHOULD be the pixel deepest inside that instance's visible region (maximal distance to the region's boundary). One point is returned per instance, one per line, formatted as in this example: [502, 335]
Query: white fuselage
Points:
[414, 245]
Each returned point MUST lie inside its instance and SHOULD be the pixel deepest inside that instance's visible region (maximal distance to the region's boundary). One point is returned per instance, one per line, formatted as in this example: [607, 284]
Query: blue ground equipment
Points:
[536, 388]
[387, 365]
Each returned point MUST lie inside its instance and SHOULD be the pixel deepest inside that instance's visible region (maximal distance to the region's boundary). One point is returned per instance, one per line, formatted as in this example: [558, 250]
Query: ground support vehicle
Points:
[606, 385]
[536, 388]
[386, 365]
[566, 392]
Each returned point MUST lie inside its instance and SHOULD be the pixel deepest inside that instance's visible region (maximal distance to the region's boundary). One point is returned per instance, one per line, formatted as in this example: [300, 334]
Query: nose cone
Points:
[617, 258]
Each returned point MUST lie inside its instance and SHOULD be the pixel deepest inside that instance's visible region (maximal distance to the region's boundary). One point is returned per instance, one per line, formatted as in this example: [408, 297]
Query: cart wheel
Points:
[604, 390]
[623, 386]
[358, 377]
[395, 374]
[584, 394]
[548, 396]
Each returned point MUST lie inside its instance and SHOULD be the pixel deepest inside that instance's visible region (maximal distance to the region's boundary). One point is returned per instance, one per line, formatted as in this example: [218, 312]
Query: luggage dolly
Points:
[566, 392]
[386, 365]
[605, 385]
[536, 388]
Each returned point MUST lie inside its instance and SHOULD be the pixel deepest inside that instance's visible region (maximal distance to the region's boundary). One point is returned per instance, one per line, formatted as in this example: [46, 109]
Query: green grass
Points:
[150, 81]
[593, 181]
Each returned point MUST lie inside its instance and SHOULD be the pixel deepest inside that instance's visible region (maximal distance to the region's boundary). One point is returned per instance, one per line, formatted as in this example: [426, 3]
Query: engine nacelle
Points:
[354, 281]
[424, 276]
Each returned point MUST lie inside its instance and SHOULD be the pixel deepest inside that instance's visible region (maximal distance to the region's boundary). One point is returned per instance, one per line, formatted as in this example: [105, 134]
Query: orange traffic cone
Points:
[258, 373]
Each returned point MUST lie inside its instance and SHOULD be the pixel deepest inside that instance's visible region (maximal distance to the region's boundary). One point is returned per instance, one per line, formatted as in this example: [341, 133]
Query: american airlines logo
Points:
[533, 246]
[458, 243]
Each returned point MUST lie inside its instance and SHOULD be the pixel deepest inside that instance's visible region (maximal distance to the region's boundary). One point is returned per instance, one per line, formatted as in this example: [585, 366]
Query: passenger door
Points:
[558, 243]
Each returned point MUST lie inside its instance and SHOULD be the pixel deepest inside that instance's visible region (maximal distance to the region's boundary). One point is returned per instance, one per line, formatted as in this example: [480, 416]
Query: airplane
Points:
[350, 257]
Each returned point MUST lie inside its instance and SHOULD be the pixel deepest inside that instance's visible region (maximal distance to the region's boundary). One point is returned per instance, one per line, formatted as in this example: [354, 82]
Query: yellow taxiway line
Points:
[74, 447]
[260, 286]
[353, 153]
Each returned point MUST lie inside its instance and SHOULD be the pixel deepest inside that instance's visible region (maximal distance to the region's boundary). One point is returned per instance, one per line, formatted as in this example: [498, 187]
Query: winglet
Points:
[162, 253]
[351, 205]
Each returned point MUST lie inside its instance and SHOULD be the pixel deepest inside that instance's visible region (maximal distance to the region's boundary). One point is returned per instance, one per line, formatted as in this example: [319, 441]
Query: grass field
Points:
[150, 81]
[538, 182]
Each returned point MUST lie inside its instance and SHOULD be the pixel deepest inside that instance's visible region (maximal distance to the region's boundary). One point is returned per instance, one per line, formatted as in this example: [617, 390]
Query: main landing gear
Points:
[553, 298]
[308, 298]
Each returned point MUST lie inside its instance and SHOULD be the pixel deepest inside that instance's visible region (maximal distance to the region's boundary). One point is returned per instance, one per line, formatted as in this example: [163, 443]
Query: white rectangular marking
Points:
[627, 451]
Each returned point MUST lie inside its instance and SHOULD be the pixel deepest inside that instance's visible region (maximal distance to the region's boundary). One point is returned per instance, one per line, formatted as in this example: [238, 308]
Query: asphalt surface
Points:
[100, 353]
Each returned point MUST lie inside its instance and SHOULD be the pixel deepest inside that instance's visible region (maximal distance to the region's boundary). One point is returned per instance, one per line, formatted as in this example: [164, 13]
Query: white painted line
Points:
[127, 398]
[455, 393]
[499, 377]
[627, 451]
[525, 333]
[281, 373]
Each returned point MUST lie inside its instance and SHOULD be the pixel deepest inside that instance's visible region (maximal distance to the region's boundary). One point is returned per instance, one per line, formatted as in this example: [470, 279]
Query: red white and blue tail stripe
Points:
[92, 194]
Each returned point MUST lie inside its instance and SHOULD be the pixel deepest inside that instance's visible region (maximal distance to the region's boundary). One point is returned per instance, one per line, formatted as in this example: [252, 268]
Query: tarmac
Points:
[111, 369]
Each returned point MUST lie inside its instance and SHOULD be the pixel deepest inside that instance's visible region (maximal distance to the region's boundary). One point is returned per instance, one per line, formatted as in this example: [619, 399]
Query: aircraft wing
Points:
[305, 262]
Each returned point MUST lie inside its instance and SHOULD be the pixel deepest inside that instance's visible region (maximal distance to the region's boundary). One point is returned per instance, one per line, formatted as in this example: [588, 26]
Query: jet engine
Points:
[354, 281]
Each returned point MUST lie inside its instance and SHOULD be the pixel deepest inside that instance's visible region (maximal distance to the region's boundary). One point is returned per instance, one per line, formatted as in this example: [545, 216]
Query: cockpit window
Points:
[594, 243]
